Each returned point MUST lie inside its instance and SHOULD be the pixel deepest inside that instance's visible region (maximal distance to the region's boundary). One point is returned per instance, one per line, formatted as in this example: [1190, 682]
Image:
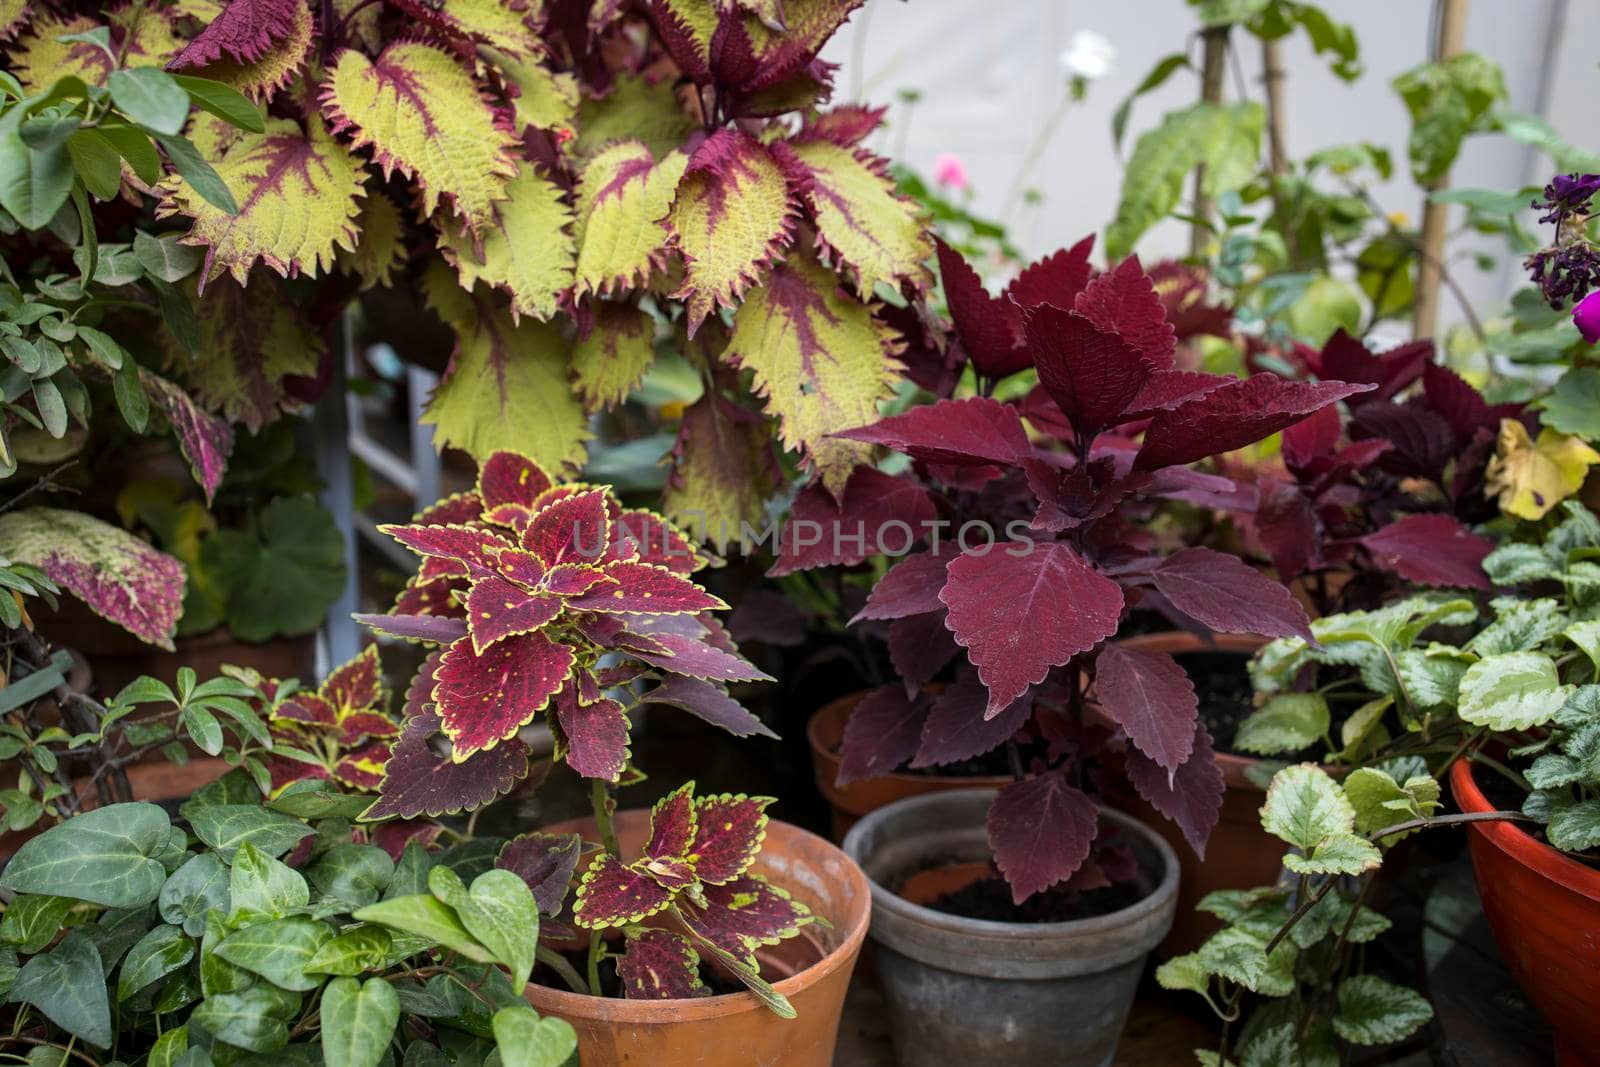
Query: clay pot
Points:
[1240, 854]
[850, 802]
[976, 992]
[736, 1029]
[1544, 909]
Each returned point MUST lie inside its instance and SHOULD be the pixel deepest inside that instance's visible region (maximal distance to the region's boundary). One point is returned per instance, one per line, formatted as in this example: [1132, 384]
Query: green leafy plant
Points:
[251, 929]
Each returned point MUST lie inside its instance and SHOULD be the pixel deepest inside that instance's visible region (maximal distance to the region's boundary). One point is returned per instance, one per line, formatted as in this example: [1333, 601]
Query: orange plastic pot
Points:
[1544, 909]
[736, 1029]
[851, 802]
[1240, 854]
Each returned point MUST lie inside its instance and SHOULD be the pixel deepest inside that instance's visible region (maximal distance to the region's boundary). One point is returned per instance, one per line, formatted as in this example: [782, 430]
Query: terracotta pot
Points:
[736, 1029]
[850, 802]
[1240, 855]
[1544, 909]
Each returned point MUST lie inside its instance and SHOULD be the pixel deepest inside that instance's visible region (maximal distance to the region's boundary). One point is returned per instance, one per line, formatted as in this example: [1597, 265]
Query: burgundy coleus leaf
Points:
[1421, 443]
[596, 736]
[1458, 403]
[473, 546]
[357, 725]
[571, 579]
[435, 629]
[1228, 595]
[729, 829]
[1056, 279]
[882, 732]
[418, 780]
[457, 509]
[206, 440]
[879, 514]
[393, 836]
[1008, 611]
[244, 30]
[1040, 829]
[497, 609]
[1346, 359]
[1232, 416]
[744, 914]
[1183, 291]
[1072, 496]
[659, 965]
[973, 431]
[919, 647]
[611, 894]
[672, 824]
[1287, 527]
[356, 684]
[910, 587]
[1091, 374]
[1166, 389]
[1123, 301]
[485, 698]
[546, 863]
[1311, 438]
[570, 529]
[990, 327]
[308, 708]
[643, 588]
[956, 730]
[1192, 797]
[846, 125]
[688, 656]
[362, 769]
[710, 703]
[1431, 550]
[1151, 697]
[507, 478]
[659, 542]
[1197, 488]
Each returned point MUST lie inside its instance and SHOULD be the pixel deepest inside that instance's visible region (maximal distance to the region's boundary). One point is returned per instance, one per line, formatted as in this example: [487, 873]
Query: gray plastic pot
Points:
[974, 992]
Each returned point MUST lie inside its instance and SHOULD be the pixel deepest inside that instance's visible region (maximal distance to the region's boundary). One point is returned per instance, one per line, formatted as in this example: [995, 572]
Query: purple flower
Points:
[1567, 195]
[1586, 316]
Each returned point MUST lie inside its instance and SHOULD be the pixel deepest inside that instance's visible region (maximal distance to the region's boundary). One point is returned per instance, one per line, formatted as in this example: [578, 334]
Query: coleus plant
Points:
[340, 725]
[1027, 609]
[564, 181]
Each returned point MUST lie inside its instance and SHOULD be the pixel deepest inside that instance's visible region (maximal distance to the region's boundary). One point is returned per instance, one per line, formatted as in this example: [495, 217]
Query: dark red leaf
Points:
[881, 514]
[437, 629]
[611, 894]
[910, 587]
[473, 546]
[1197, 488]
[1420, 441]
[1228, 595]
[362, 724]
[546, 863]
[1123, 301]
[572, 529]
[1166, 389]
[438, 596]
[485, 698]
[729, 829]
[1431, 550]
[244, 31]
[1091, 374]
[596, 736]
[496, 610]
[1152, 698]
[1192, 798]
[672, 824]
[709, 702]
[1460, 405]
[356, 684]
[956, 729]
[361, 769]
[659, 542]
[846, 125]
[1312, 437]
[1056, 279]
[920, 646]
[457, 509]
[1232, 416]
[1041, 830]
[1347, 359]
[1010, 613]
[974, 431]
[883, 731]
[743, 915]
[989, 327]
[509, 478]
[643, 588]
[686, 655]
[658, 965]
[420, 781]
[1287, 528]
[569, 579]
[308, 708]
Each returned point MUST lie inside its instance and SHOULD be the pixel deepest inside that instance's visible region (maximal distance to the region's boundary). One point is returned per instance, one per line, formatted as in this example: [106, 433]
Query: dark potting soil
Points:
[1222, 685]
[990, 898]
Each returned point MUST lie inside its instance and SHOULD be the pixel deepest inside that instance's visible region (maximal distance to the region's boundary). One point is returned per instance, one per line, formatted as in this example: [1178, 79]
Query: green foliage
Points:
[1447, 101]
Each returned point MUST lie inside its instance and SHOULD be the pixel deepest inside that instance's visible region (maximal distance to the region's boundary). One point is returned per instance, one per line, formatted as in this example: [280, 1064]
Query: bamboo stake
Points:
[1273, 76]
[1435, 217]
[1213, 67]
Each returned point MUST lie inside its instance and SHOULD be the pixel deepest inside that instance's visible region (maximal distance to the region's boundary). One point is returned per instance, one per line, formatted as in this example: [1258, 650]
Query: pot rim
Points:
[1519, 845]
[564, 1002]
[823, 753]
[1159, 897]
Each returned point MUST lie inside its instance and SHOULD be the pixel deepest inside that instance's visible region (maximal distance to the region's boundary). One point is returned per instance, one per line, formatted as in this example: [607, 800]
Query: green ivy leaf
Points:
[249, 1019]
[170, 1049]
[353, 874]
[261, 887]
[525, 1040]
[68, 985]
[227, 826]
[499, 910]
[32, 921]
[426, 916]
[156, 955]
[104, 856]
[358, 1019]
[278, 950]
[1286, 723]
[355, 951]
[1512, 691]
[197, 887]
[1375, 1012]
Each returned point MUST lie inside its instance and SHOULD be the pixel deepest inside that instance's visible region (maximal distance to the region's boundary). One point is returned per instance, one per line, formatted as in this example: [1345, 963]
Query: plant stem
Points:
[1450, 820]
[600, 800]
[1212, 68]
[558, 963]
[1451, 39]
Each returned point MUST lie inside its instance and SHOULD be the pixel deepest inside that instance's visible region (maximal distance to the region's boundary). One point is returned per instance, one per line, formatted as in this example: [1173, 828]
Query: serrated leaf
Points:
[1375, 1012]
[1339, 853]
[1512, 691]
[1041, 830]
[275, 67]
[1151, 697]
[1305, 807]
[859, 219]
[609, 363]
[528, 251]
[380, 246]
[419, 781]
[622, 202]
[1287, 723]
[422, 114]
[725, 469]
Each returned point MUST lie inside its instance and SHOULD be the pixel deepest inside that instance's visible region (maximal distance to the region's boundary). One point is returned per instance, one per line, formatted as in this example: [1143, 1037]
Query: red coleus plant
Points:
[1047, 556]
[1386, 492]
[342, 725]
[524, 587]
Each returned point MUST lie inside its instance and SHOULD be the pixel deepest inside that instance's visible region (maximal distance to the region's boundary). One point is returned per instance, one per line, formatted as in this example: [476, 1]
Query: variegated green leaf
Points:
[877, 235]
[529, 250]
[1512, 691]
[612, 360]
[623, 199]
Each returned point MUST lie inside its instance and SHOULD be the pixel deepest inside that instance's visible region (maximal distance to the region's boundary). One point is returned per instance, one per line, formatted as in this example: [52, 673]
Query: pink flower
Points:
[1586, 316]
[948, 170]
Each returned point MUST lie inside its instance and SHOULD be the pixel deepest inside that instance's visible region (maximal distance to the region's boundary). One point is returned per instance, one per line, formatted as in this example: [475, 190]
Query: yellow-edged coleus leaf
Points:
[623, 200]
[733, 216]
[251, 338]
[1531, 477]
[611, 360]
[380, 246]
[820, 359]
[545, 99]
[529, 250]
[272, 69]
[12, 15]
[637, 107]
[724, 470]
[422, 115]
[506, 388]
[39, 57]
[501, 23]
[298, 194]
[878, 236]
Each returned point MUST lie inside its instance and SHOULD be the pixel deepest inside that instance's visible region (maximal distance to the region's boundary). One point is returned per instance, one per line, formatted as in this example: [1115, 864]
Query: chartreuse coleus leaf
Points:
[273, 68]
[298, 195]
[507, 387]
[497, 22]
[638, 107]
[1306, 808]
[820, 360]
[528, 252]
[1512, 691]
[724, 470]
[358, 1021]
[545, 99]
[733, 216]
[622, 202]
[380, 246]
[12, 15]
[877, 235]
[119, 577]
[613, 359]
[40, 57]
[421, 113]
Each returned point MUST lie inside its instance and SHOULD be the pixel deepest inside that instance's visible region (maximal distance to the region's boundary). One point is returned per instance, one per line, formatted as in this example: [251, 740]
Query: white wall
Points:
[989, 76]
